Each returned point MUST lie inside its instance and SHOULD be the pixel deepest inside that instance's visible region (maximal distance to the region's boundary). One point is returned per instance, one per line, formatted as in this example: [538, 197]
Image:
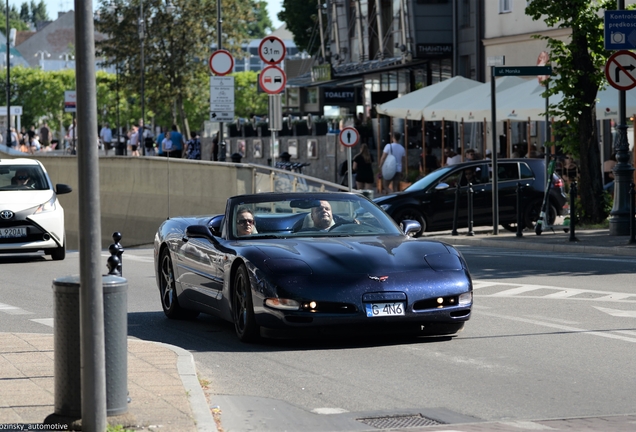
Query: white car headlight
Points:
[385, 207]
[466, 298]
[47, 206]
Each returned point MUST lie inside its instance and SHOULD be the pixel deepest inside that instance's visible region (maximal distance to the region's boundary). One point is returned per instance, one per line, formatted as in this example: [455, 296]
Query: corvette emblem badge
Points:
[379, 279]
[6, 214]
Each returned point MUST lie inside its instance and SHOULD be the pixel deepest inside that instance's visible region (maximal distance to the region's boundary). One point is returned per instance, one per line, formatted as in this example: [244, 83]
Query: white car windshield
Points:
[22, 177]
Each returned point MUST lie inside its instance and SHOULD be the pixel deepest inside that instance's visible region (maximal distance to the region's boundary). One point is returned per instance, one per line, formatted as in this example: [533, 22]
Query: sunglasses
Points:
[22, 177]
[246, 221]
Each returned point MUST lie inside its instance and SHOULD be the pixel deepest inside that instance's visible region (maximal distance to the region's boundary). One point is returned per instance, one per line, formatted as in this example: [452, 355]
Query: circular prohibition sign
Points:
[349, 136]
[621, 64]
[221, 62]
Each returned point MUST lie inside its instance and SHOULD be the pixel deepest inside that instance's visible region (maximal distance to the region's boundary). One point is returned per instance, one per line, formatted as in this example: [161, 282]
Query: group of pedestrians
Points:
[169, 142]
[29, 141]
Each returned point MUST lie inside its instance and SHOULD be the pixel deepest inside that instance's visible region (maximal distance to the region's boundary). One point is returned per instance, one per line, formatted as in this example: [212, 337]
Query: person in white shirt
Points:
[397, 150]
[106, 135]
[452, 158]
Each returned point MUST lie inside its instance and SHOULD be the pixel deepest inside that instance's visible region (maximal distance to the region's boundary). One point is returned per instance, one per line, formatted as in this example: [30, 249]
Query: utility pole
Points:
[219, 38]
[142, 37]
[8, 141]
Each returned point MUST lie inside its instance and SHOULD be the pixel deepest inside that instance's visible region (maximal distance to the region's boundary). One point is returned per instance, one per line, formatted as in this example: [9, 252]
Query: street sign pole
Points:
[219, 33]
[496, 71]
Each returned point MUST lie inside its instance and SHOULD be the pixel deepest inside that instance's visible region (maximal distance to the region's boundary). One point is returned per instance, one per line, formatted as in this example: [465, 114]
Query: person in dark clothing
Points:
[193, 147]
[362, 166]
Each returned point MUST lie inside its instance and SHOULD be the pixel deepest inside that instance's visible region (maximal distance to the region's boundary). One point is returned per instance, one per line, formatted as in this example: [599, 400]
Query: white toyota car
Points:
[31, 217]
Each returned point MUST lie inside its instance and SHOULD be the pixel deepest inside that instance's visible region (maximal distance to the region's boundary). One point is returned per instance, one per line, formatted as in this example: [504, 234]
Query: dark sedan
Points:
[331, 262]
[431, 200]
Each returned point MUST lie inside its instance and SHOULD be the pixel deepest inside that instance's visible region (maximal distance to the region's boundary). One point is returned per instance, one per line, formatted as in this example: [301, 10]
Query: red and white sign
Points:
[272, 80]
[620, 70]
[349, 136]
[272, 50]
[70, 101]
[221, 62]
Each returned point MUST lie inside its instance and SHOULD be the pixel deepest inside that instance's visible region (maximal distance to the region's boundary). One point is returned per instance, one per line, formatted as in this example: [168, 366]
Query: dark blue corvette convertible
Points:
[278, 263]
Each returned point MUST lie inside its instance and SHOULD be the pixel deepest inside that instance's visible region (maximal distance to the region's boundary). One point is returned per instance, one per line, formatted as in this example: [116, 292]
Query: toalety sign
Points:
[337, 95]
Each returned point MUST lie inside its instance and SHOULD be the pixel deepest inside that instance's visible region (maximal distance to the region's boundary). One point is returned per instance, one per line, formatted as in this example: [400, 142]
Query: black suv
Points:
[431, 200]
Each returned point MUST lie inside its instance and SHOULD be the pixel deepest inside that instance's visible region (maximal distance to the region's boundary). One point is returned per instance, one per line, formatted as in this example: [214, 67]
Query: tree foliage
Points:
[262, 24]
[578, 73]
[301, 18]
[247, 100]
[175, 41]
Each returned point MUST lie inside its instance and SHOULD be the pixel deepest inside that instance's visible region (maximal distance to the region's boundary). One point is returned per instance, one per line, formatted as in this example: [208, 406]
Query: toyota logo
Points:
[6, 214]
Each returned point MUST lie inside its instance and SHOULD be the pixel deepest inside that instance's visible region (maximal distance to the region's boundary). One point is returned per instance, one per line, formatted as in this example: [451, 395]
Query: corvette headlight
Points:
[46, 207]
[283, 304]
[385, 207]
[466, 298]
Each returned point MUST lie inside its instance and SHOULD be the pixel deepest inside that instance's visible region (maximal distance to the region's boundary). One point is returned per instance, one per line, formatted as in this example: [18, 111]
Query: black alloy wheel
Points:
[242, 307]
[168, 291]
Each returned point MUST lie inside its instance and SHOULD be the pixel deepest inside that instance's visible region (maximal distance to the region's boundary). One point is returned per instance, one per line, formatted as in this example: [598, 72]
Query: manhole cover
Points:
[400, 421]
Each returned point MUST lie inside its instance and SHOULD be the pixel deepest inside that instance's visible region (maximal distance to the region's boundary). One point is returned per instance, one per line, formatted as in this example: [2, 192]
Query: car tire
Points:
[168, 290]
[533, 211]
[410, 213]
[58, 254]
[242, 308]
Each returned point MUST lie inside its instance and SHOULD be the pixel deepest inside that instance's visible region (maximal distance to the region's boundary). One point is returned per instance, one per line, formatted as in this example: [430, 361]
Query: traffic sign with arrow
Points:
[619, 70]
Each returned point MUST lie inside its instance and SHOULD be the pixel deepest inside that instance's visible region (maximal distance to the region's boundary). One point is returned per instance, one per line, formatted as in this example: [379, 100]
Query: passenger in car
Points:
[245, 222]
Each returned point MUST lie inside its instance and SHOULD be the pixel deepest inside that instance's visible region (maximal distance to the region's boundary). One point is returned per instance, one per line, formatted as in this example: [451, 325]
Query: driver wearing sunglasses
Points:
[22, 178]
[245, 222]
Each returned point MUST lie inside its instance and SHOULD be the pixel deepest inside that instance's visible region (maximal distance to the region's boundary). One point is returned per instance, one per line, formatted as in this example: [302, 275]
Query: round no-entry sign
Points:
[221, 62]
[272, 80]
[349, 136]
[620, 70]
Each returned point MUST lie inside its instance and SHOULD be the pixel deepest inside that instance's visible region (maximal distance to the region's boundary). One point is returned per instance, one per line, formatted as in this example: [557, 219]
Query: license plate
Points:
[384, 309]
[13, 232]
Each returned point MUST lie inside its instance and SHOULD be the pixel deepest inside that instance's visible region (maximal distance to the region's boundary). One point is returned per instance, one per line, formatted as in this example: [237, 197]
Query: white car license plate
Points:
[384, 309]
[13, 232]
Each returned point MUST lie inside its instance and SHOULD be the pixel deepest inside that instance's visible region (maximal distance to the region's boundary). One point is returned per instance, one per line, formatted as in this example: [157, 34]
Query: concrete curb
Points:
[188, 374]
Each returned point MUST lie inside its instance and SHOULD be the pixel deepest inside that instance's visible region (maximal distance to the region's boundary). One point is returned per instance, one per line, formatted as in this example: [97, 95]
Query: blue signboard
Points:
[620, 29]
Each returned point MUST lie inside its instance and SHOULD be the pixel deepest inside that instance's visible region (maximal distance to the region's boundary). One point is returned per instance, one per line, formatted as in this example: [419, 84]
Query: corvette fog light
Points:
[281, 303]
[466, 298]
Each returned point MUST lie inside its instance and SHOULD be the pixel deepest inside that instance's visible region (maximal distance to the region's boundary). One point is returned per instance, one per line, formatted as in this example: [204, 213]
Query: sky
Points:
[55, 6]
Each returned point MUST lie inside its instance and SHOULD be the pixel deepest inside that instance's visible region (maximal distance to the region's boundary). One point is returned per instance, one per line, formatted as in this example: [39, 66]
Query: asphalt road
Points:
[552, 335]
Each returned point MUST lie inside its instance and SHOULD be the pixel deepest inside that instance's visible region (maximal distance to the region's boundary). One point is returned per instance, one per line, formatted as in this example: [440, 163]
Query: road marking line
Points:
[46, 321]
[608, 335]
[560, 292]
[13, 310]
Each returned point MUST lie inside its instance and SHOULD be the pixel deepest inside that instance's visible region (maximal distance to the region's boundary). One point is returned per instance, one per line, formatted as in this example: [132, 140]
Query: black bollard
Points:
[573, 193]
[116, 250]
[470, 210]
[519, 212]
[632, 216]
[455, 211]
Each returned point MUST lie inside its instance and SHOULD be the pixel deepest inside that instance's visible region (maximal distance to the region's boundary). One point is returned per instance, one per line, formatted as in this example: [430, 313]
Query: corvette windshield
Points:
[320, 216]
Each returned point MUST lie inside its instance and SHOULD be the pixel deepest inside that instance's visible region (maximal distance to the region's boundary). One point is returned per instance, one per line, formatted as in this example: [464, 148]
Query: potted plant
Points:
[300, 128]
[320, 126]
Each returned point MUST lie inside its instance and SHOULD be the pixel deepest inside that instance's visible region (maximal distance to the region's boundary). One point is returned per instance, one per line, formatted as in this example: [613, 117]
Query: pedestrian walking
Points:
[393, 153]
[45, 135]
[177, 143]
[106, 135]
[193, 147]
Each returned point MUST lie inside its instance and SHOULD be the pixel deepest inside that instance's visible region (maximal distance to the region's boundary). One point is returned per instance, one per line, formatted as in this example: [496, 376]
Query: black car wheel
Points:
[533, 211]
[167, 288]
[410, 213]
[59, 253]
[242, 307]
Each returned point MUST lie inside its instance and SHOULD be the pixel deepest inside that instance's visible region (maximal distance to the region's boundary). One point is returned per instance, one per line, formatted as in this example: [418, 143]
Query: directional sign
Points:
[221, 116]
[349, 136]
[221, 62]
[272, 79]
[272, 50]
[620, 29]
[521, 70]
[619, 70]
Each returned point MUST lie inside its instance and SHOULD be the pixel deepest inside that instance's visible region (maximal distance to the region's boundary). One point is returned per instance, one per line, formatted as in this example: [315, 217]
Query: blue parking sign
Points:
[620, 29]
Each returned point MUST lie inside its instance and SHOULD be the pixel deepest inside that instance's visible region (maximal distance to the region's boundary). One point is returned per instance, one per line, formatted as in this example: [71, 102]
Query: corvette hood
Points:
[17, 201]
[363, 255]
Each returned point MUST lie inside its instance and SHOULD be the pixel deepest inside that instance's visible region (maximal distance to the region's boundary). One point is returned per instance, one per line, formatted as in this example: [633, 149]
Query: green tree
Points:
[577, 68]
[38, 12]
[174, 41]
[301, 18]
[14, 19]
[262, 25]
[247, 100]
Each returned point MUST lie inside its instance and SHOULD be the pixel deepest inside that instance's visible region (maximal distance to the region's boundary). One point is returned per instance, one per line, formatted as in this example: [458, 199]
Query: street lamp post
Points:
[8, 141]
[142, 37]
[42, 54]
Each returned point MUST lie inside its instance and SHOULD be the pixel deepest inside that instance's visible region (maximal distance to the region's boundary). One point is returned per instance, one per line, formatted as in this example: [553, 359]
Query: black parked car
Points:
[431, 200]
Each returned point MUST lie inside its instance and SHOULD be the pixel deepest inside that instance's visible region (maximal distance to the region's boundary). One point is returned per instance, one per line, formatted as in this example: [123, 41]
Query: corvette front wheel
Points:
[242, 307]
